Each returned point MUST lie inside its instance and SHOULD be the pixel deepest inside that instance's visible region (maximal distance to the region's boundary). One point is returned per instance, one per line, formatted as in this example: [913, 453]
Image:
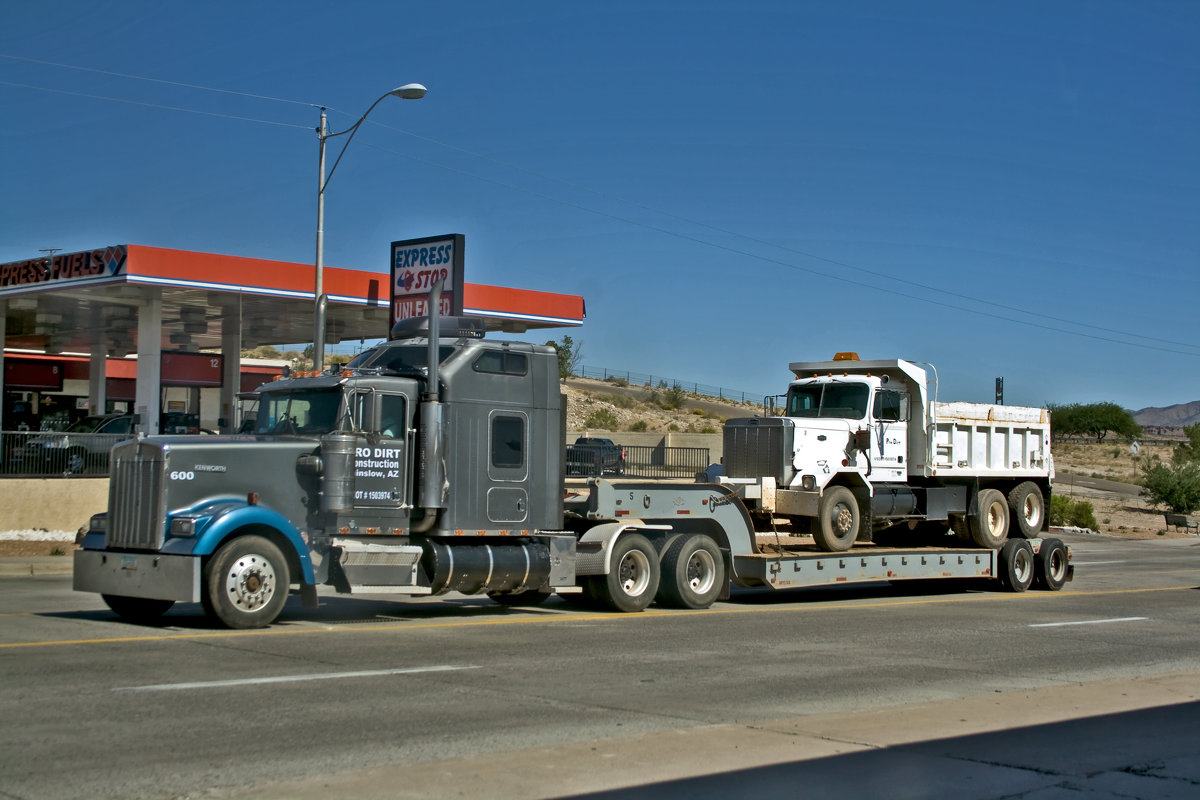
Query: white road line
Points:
[1095, 563]
[1087, 622]
[317, 676]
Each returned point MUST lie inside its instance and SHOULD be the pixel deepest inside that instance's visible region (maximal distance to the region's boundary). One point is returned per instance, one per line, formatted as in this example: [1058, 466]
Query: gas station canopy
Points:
[124, 299]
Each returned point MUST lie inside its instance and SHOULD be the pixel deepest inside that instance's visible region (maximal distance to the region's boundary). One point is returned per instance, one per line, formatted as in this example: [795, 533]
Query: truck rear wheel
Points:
[633, 577]
[1016, 565]
[246, 583]
[693, 573]
[838, 519]
[989, 527]
[137, 609]
[1028, 509]
[1051, 562]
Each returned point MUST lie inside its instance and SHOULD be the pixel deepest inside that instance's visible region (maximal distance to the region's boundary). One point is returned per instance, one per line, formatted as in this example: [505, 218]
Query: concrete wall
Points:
[51, 504]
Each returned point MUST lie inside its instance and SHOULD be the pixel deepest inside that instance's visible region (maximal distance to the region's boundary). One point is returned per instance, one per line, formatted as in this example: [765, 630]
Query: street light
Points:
[409, 91]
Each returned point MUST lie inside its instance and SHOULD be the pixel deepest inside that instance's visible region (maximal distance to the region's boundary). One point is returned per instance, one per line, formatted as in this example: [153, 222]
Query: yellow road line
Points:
[588, 617]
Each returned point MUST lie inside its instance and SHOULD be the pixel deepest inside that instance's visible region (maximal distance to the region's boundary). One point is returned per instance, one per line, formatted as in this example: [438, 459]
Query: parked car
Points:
[82, 447]
[592, 455]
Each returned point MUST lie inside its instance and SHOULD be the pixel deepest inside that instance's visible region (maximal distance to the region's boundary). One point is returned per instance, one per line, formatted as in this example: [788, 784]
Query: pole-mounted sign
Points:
[417, 264]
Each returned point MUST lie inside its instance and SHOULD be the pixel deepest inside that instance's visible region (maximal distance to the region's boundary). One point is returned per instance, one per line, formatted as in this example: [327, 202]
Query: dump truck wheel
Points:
[989, 527]
[1028, 510]
[838, 520]
[246, 582]
[693, 573]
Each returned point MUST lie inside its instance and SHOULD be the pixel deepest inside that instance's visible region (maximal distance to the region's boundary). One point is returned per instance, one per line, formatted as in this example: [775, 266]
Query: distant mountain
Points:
[1175, 416]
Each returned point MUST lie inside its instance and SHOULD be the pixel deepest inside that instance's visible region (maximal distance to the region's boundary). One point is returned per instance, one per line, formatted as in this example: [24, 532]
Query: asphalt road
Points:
[917, 691]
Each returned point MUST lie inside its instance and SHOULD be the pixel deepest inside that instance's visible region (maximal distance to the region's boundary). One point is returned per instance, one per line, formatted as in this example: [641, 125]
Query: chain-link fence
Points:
[661, 382]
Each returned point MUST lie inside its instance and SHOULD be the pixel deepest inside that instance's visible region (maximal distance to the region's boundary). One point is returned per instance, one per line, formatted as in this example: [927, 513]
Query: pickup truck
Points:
[592, 455]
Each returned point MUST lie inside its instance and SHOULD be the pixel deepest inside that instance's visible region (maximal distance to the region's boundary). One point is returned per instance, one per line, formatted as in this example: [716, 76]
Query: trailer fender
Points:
[214, 523]
[594, 549]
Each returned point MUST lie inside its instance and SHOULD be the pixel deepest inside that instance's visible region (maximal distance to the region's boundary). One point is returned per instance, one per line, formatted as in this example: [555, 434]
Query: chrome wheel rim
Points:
[701, 571]
[250, 582]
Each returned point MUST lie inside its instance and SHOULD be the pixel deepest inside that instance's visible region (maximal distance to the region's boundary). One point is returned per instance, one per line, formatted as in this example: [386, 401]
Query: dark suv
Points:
[592, 455]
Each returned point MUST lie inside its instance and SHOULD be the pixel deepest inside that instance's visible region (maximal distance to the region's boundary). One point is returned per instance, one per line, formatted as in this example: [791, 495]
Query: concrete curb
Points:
[36, 567]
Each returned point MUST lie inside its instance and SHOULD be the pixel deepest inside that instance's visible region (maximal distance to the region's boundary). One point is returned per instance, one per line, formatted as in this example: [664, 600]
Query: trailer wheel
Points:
[1051, 562]
[838, 519]
[693, 573]
[633, 576]
[525, 599]
[137, 609]
[989, 527]
[1016, 565]
[1028, 509]
[246, 583]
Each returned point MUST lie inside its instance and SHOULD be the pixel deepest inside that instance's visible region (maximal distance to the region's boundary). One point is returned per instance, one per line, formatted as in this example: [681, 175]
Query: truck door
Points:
[508, 466]
[382, 472]
[889, 435]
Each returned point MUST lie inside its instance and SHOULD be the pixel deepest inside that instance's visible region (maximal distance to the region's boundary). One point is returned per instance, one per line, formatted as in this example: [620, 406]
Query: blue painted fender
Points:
[216, 522]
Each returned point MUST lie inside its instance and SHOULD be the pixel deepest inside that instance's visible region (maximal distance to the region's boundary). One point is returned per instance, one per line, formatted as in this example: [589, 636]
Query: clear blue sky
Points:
[1003, 189]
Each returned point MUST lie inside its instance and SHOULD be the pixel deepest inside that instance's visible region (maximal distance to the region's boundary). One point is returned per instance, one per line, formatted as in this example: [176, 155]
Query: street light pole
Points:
[409, 91]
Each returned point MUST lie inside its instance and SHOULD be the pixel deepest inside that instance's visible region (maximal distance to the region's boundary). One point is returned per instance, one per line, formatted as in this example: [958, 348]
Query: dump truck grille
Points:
[136, 504]
[759, 447]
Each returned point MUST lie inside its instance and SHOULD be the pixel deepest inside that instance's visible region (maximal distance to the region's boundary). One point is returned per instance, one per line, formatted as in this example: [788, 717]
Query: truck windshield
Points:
[828, 400]
[307, 412]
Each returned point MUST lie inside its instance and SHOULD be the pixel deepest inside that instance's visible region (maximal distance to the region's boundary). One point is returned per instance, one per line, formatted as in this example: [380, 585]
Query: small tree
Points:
[1189, 450]
[1176, 486]
[1093, 419]
[570, 353]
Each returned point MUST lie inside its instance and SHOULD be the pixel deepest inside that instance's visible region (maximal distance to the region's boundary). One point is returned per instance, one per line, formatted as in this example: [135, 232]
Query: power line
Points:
[150, 80]
[154, 105]
[634, 222]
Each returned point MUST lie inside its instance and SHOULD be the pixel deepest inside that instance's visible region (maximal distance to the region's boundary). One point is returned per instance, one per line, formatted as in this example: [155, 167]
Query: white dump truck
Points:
[865, 446]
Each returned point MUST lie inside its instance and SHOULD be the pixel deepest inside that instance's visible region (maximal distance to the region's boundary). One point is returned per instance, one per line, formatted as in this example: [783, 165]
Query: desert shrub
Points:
[621, 401]
[602, 418]
[639, 426]
[616, 381]
[1077, 513]
[708, 429]
[1176, 486]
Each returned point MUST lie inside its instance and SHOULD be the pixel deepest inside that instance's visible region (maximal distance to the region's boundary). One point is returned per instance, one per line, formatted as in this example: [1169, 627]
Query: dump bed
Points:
[984, 440]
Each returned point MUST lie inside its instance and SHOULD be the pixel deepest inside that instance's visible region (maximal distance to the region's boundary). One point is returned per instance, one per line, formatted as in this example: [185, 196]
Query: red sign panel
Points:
[191, 369]
[42, 375]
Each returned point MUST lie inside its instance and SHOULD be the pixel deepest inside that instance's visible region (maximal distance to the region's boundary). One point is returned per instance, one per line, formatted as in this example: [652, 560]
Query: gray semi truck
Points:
[433, 463]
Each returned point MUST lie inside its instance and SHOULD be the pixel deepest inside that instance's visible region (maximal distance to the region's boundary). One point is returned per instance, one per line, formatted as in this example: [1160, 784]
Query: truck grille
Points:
[137, 514]
[759, 447]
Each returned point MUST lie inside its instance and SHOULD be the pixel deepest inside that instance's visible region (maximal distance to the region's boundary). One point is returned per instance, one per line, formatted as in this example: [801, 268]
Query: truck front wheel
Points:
[838, 520]
[246, 583]
[632, 580]
[989, 527]
[693, 573]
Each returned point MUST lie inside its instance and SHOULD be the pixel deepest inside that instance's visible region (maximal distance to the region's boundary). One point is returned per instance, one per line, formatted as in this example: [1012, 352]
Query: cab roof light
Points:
[847, 356]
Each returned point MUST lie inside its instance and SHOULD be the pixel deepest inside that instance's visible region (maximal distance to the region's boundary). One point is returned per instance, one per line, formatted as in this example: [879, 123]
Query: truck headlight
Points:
[183, 526]
[98, 523]
[809, 482]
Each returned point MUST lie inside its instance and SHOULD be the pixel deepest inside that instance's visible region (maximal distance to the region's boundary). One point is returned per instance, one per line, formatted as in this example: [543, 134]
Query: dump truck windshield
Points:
[828, 400]
[306, 412]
